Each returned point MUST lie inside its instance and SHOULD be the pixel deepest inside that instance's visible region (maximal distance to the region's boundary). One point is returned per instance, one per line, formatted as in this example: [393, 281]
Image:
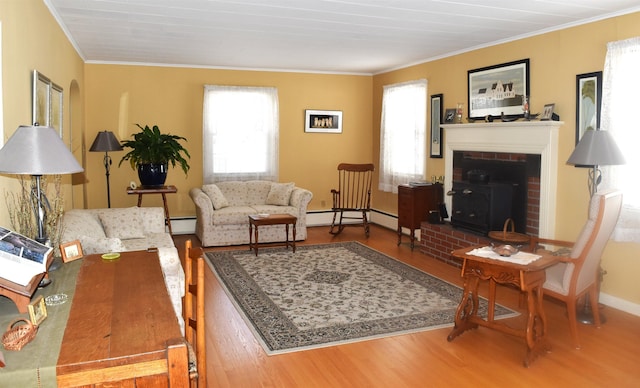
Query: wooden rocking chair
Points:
[353, 195]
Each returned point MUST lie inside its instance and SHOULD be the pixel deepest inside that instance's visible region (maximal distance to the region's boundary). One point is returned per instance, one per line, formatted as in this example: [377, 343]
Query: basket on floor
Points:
[17, 336]
[509, 235]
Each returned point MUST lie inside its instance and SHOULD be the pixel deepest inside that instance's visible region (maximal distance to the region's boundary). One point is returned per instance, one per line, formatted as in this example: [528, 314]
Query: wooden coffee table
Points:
[257, 220]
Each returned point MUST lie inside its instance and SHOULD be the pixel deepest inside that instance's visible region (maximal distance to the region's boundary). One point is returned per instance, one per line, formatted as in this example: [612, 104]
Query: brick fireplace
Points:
[499, 141]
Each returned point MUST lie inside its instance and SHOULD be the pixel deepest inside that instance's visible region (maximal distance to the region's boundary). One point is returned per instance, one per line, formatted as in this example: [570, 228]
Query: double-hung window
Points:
[403, 134]
[621, 79]
[240, 138]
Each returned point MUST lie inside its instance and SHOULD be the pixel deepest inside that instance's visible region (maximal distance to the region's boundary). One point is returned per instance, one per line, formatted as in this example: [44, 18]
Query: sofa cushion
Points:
[217, 198]
[233, 215]
[122, 223]
[257, 192]
[92, 245]
[235, 192]
[81, 223]
[280, 193]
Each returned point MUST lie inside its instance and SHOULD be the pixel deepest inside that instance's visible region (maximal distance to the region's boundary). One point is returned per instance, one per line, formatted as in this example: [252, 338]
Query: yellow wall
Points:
[32, 39]
[555, 60]
[115, 97]
[119, 96]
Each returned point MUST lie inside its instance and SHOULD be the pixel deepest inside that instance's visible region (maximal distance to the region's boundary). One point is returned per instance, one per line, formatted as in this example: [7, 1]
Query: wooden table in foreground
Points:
[272, 219]
[122, 327]
[163, 190]
[528, 278]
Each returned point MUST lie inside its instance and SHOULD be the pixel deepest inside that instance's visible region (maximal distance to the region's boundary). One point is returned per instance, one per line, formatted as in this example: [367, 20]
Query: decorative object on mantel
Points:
[547, 113]
[498, 90]
[459, 108]
[449, 115]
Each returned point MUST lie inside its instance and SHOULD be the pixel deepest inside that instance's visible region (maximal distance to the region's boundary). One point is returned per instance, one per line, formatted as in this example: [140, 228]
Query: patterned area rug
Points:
[331, 294]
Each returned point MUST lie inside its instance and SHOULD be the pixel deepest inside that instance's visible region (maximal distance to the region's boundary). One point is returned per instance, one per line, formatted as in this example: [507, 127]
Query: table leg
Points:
[286, 236]
[467, 309]
[139, 200]
[492, 300]
[167, 218]
[535, 333]
[294, 237]
[399, 235]
[255, 244]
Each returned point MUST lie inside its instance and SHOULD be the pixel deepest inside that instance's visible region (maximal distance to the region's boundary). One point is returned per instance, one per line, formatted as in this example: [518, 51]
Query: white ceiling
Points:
[343, 36]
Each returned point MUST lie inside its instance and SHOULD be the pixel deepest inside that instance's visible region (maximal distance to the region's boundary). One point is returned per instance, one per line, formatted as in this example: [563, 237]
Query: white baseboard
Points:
[188, 226]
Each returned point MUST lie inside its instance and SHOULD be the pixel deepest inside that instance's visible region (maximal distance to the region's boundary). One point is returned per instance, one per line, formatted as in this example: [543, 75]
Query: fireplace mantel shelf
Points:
[529, 137]
[503, 124]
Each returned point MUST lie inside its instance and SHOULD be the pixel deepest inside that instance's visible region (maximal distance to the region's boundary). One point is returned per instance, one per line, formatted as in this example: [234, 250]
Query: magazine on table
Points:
[21, 258]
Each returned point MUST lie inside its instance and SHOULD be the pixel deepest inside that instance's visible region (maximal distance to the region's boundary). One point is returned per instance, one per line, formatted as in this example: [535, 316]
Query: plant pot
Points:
[152, 174]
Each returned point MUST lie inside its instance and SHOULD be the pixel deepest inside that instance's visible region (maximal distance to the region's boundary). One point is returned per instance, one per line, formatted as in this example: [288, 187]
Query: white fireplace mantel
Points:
[528, 137]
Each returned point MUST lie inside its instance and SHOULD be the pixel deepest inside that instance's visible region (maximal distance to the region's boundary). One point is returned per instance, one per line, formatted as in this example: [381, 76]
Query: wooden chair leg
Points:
[573, 322]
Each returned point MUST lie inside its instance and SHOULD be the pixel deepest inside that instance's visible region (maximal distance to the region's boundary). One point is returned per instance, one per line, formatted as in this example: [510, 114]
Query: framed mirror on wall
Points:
[47, 102]
[436, 130]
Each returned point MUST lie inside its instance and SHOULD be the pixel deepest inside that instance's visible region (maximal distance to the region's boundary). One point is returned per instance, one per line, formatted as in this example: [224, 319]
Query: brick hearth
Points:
[438, 240]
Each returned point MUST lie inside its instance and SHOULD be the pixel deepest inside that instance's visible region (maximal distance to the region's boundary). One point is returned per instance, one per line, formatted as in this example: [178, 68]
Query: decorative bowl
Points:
[506, 250]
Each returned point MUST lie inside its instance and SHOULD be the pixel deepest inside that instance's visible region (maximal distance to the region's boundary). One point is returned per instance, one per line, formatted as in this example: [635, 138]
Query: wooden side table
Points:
[163, 190]
[414, 204]
[271, 219]
[529, 278]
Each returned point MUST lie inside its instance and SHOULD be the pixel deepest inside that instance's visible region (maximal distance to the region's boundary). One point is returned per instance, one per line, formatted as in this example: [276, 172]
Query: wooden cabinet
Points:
[414, 204]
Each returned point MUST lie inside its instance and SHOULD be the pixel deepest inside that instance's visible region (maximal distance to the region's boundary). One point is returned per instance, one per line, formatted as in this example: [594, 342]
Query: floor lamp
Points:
[106, 141]
[596, 148]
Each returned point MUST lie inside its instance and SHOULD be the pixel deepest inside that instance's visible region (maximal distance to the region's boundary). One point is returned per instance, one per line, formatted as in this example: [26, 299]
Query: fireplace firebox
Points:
[490, 187]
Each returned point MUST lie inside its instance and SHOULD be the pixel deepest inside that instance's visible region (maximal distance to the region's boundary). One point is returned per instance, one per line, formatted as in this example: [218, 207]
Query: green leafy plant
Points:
[151, 146]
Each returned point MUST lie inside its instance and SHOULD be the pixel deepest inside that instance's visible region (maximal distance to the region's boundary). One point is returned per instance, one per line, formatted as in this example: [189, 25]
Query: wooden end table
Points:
[256, 220]
[528, 278]
[163, 190]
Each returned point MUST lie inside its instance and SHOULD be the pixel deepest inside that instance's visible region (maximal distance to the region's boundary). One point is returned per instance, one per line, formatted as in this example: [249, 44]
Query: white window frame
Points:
[403, 134]
[240, 134]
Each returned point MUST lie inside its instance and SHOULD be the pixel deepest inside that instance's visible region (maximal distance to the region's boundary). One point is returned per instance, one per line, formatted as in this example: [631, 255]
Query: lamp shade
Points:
[34, 150]
[105, 141]
[596, 148]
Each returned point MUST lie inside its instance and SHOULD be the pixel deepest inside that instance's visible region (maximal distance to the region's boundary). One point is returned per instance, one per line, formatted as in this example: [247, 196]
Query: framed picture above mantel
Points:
[498, 90]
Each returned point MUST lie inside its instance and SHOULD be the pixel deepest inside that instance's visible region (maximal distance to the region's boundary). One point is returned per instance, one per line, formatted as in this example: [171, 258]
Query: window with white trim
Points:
[240, 138]
[403, 134]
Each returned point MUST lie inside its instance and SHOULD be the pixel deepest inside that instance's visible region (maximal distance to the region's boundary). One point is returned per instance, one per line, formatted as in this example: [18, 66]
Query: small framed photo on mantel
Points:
[323, 121]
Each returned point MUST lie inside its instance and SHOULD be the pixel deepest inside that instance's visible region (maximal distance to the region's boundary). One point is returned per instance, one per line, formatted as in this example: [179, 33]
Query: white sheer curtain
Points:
[403, 134]
[240, 139]
[621, 81]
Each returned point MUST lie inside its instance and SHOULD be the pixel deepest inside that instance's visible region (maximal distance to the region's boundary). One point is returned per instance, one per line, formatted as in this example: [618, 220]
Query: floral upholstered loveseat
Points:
[223, 209]
[128, 229]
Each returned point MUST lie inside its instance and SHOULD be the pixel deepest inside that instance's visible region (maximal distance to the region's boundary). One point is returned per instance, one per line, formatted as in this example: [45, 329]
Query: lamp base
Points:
[584, 315]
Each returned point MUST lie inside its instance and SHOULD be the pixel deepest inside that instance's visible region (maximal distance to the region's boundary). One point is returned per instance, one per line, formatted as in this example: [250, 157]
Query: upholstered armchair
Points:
[578, 273]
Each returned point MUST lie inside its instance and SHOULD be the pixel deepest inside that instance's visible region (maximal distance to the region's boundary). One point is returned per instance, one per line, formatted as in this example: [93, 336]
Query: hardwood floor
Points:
[481, 358]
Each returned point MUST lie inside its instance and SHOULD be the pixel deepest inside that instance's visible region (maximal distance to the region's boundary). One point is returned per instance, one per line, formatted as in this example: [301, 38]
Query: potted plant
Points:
[152, 151]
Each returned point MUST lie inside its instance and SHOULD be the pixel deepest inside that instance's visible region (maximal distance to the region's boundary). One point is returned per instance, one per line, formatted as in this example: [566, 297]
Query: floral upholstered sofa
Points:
[128, 229]
[223, 209]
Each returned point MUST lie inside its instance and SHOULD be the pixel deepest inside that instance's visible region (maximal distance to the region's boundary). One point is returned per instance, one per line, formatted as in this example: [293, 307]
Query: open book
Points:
[21, 258]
